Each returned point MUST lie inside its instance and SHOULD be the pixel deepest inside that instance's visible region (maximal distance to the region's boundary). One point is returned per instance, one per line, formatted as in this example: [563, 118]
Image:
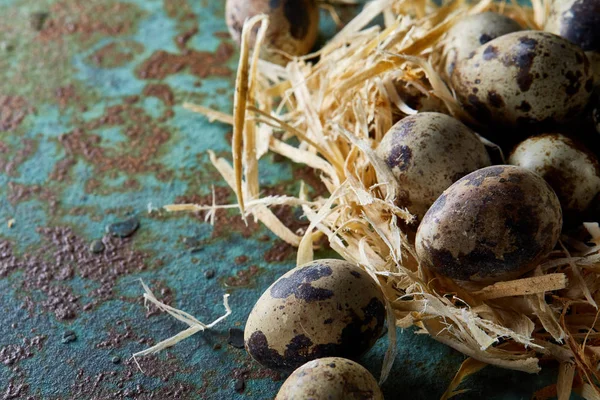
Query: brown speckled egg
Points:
[527, 78]
[570, 169]
[326, 308]
[427, 153]
[494, 224]
[293, 29]
[330, 378]
[470, 33]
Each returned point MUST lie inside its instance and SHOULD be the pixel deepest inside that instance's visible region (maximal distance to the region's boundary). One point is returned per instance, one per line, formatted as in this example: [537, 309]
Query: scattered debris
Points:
[209, 274]
[11, 222]
[97, 246]
[125, 228]
[236, 338]
[116, 360]
[239, 384]
[37, 20]
[68, 337]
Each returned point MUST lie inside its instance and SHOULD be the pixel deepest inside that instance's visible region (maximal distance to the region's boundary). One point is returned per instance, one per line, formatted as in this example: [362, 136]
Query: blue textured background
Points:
[92, 131]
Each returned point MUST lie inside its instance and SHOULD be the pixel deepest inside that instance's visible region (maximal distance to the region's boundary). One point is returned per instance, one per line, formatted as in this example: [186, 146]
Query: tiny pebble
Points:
[125, 228]
[68, 337]
[97, 246]
[217, 346]
[209, 274]
[37, 20]
[116, 360]
[239, 385]
[236, 338]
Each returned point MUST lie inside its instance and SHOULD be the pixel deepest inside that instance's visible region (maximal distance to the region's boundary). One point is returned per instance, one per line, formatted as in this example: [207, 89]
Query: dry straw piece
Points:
[338, 103]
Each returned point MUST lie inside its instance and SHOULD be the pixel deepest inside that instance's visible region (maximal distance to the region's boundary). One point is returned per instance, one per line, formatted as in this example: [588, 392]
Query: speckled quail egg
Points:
[570, 169]
[326, 308]
[470, 33]
[579, 22]
[293, 29]
[331, 378]
[494, 224]
[427, 152]
[525, 79]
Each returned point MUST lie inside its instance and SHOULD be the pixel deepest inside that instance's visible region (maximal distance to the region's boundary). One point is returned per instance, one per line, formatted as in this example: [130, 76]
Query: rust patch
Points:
[182, 39]
[83, 18]
[201, 64]
[10, 165]
[14, 353]
[63, 255]
[163, 293]
[279, 252]
[116, 54]
[13, 110]
[66, 95]
[243, 277]
[117, 339]
[162, 92]
[18, 193]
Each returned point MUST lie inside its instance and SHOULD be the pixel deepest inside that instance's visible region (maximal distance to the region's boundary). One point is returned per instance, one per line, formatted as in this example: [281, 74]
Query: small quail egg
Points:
[570, 169]
[470, 33]
[428, 152]
[331, 378]
[525, 79]
[321, 309]
[293, 28]
[494, 224]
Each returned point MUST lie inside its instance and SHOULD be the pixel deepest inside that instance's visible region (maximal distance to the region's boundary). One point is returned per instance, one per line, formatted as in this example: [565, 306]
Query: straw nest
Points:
[337, 104]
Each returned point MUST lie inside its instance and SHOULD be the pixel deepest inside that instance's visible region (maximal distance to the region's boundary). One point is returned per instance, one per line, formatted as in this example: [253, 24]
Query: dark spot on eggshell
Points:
[399, 157]
[328, 321]
[524, 106]
[524, 61]
[589, 85]
[484, 38]
[299, 284]
[490, 53]
[297, 14]
[495, 99]
[478, 109]
[574, 82]
[356, 274]
[580, 24]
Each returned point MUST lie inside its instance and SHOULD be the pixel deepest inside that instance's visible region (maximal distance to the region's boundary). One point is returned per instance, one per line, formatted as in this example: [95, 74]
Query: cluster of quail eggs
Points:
[532, 92]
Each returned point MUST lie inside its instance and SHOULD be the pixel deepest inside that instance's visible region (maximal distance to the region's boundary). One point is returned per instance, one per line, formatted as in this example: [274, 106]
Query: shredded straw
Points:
[338, 107]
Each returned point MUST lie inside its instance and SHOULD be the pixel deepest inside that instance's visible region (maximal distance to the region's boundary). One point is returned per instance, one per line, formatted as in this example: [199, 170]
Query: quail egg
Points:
[470, 33]
[331, 378]
[321, 309]
[293, 28]
[427, 152]
[494, 224]
[524, 79]
[570, 169]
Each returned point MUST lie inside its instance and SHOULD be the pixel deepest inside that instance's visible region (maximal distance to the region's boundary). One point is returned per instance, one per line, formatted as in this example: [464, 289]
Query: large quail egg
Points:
[331, 378]
[494, 224]
[293, 29]
[579, 22]
[427, 152]
[470, 33]
[525, 79]
[570, 169]
[321, 309]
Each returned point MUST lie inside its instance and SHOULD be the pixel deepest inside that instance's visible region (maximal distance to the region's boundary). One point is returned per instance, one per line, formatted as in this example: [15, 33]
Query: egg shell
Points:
[427, 152]
[494, 224]
[470, 33]
[293, 29]
[576, 20]
[524, 79]
[330, 378]
[321, 309]
[570, 169]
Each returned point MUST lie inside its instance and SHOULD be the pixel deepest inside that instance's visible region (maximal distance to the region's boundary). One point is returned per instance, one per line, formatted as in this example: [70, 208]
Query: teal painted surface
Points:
[84, 143]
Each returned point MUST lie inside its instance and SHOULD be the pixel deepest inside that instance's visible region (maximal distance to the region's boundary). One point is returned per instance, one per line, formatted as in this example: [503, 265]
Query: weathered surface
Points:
[92, 132]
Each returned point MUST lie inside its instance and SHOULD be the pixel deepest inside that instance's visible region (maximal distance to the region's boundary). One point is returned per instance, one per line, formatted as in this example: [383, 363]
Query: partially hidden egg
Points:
[525, 79]
[330, 378]
[326, 308]
[494, 224]
[579, 22]
[293, 29]
[427, 152]
[570, 169]
[470, 33]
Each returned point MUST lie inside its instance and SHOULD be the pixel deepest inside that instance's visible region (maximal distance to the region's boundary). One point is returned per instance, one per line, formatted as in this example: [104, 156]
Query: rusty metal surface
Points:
[92, 132]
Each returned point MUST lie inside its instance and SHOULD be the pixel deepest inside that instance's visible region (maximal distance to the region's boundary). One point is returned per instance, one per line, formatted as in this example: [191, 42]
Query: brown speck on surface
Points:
[162, 293]
[279, 252]
[182, 39]
[239, 260]
[13, 110]
[242, 277]
[115, 54]
[201, 64]
[162, 92]
[14, 353]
